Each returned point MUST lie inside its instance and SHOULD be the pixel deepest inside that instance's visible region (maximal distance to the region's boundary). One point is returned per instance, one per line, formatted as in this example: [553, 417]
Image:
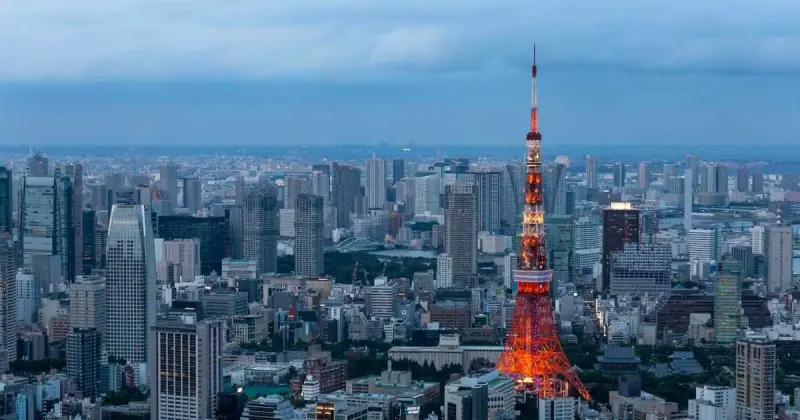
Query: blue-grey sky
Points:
[444, 71]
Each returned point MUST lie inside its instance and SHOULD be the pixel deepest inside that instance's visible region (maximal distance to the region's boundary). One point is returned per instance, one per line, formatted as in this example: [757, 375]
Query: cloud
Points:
[87, 40]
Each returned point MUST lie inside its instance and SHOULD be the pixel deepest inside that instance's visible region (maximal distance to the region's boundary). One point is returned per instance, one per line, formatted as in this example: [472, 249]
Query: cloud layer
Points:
[88, 40]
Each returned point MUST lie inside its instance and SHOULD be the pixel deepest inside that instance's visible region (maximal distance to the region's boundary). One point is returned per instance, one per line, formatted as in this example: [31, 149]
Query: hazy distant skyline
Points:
[446, 72]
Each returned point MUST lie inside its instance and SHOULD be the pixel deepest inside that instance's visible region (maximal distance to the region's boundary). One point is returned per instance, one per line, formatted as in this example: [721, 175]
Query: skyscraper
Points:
[643, 175]
[620, 227]
[192, 194]
[293, 187]
[718, 179]
[169, 182]
[238, 190]
[213, 232]
[705, 244]
[755, 380]
[427, 190]
[8, 302]
[65, 227]
[321, 182]
[693, 163]
[87, 250]
[728, 304]
[688, 199]
[398, 170]
[591, 171]
[186, 375]
[6, 200]
[461, 231]
[376, 183]
[558, 241]
[84, 350]
[742, 179]
[75, 174]
[757, 234]
[38, 166]
[758, 183]
[778, 258]
[554, 178]
[308, 248]
[130, 283]
[619, 175]
[345, 188]
[260, 215]
[39, 224]
[489, 192]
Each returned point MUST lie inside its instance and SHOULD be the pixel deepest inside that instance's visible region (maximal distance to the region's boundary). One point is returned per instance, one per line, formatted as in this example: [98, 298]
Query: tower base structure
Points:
[533, 355]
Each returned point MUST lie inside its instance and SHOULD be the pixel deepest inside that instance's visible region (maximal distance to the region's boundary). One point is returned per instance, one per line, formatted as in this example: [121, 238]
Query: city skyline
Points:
[446, 74]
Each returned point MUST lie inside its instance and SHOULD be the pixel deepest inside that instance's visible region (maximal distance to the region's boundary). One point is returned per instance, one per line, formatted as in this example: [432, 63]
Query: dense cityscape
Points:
[232, 285]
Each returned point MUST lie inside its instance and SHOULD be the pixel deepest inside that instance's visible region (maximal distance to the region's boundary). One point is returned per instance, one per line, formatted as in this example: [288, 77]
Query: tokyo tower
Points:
[533, 353]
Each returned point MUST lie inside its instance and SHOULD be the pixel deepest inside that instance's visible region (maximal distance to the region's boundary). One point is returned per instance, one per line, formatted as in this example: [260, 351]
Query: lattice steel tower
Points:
[533, 353]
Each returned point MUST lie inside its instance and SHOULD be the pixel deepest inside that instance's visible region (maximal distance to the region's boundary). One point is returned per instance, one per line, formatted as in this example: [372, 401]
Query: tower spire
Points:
[534, 95]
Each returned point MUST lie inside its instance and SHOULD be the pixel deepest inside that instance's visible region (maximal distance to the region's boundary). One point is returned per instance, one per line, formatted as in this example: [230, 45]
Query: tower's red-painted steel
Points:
[533, 353]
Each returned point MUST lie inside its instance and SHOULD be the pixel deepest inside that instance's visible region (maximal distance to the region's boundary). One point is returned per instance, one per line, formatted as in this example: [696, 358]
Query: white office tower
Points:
[587, 233]
[426, 194]
[778, 258]
[705, 244]
[688, 197]
[713, 403]
[383, 299]
[28, 298]
[444, 271]
[557, 408]
[186, 375]
[509, 265]
[757, 239]
[591, 171]
[376, 183]
[130, 283]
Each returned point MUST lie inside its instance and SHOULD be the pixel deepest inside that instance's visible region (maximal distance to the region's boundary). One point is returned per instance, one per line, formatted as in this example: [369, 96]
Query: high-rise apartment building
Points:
[757, 234]
[713, 403]
[345, 190]
[192, 194]
[177, 261]
[376, 183]
[643, 175]
[755, 380]
[591, 171]
[308, 224]
[260, 219]
[8, 302]
[130, 283]
[294, 186]
[168, 181]
[6, 200]
[84, 351]
[641, 268]
[620, 227]
[619, 175]
[186, 375]
[444, 271]
[461, 231]
[705, 244]
[778, 242]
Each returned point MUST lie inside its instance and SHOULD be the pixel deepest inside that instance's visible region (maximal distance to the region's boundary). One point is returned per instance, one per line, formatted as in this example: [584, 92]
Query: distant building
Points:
[620, 226]
[308, 225]
[755, 379]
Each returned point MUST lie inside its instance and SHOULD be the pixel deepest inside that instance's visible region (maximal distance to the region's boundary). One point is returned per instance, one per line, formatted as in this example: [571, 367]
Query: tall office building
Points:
[321, 182]
[8, 302]
[718, 179]
[789, 182]
[308, 245]
[688, 199]
[6, 200]
[383, 300]
[488, 187]
[427, 190]
[186, 375]
[554, 185]
[192, 194]
[398, 170]
[376, 183]
[641, 268]
[728, 304]
[38, 166]
[705, 244]
[293, 187]
[260, 219]
[591, 171]
[87, 250]
[75, 174]
[28, 298]
[620, 227]
[461, 231]
[444, 271]
[643, 175]
[619, 175]
[693, 164]
[84, 350]
[755, 380]
[238, 190]
[65, 227]
[742, 179]
[345, 190]
[513, 181]
[757, 234]
[778, 243]
[213, 233]
[758, 183]
[87, 303]
[39, 218]
[558, 242]
[168, 181]
[130, 283]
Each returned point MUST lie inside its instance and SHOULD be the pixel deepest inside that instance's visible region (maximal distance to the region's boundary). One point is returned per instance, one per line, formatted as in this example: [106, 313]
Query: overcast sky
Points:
[444, 71]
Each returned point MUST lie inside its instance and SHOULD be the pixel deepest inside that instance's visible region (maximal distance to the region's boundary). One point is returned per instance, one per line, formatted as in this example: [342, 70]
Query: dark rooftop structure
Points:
[618, 359]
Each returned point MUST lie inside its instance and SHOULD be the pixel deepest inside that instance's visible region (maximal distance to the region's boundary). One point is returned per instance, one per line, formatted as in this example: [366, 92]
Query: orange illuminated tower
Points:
[533, 354]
